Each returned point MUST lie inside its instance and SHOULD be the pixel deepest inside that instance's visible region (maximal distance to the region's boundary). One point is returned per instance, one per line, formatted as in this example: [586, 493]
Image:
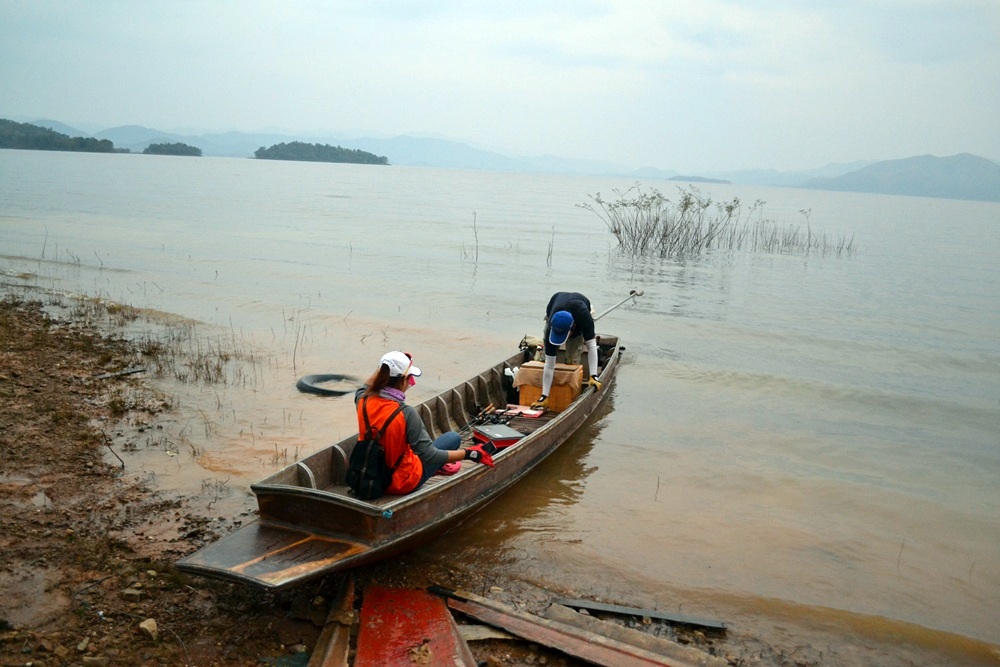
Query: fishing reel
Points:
[490, 415]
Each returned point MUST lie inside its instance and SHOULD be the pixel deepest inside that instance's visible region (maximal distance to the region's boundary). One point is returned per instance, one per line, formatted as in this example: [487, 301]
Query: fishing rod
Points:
[633, 294]
[485, 415]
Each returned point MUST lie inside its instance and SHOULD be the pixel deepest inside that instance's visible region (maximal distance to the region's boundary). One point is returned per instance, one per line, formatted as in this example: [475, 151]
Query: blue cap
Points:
[559, 325]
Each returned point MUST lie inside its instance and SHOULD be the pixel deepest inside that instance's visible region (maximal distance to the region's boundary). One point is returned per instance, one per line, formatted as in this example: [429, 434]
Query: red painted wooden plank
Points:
[402, 627]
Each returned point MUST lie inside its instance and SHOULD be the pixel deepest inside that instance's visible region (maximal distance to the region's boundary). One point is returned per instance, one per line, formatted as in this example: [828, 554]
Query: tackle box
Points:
[498, 435]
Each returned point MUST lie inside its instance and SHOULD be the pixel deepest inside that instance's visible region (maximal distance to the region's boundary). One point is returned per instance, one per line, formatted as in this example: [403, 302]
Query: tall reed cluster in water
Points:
[648, 223]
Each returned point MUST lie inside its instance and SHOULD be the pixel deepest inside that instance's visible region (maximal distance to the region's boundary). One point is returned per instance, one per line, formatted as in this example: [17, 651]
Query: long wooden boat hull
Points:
[310, 525]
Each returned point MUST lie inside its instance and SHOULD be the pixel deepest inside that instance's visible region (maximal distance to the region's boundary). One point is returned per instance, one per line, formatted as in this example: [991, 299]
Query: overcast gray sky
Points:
[693, 85]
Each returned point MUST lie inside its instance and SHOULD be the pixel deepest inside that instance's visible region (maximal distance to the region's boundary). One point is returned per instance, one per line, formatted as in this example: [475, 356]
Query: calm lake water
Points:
[804, 447]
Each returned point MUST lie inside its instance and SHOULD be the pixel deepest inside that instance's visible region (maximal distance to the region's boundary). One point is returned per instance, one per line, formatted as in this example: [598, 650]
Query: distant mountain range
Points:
[962, 176]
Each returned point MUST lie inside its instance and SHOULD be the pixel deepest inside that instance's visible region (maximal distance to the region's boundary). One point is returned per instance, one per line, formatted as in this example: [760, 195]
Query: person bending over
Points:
[567, 316]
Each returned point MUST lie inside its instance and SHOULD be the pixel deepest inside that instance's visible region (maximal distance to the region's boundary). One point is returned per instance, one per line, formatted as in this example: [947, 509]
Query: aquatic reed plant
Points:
[645, 222]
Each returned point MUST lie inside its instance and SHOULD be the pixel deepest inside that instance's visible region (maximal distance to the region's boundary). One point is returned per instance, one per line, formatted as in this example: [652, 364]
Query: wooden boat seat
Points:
[338, 465]
[306, 476]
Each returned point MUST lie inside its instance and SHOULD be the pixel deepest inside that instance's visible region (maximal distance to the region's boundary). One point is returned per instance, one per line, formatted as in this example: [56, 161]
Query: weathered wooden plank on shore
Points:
[579, 643]
[477, 633]
[683, 656]
[637, 611]
[334, 642]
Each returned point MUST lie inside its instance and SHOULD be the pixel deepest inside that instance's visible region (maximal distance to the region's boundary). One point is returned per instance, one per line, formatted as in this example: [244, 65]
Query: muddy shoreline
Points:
[88, 542]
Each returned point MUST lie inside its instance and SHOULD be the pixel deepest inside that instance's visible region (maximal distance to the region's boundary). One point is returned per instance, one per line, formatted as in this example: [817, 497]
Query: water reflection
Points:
[537, 507]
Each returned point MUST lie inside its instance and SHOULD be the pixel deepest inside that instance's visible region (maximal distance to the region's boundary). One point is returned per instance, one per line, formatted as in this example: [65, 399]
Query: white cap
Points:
[399, 364]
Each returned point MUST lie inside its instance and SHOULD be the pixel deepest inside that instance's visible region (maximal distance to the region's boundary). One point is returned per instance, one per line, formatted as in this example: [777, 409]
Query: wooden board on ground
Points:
[680, 656]
[577, 642]
[478, 633]
[334, 643]
[402, 627]
[636, 611]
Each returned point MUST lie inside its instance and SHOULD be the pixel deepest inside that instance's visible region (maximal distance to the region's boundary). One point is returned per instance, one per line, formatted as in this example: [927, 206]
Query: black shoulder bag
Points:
[368, 474]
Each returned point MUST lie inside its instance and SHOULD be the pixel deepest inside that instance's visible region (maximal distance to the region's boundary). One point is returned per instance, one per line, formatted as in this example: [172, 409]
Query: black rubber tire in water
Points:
[311, 384]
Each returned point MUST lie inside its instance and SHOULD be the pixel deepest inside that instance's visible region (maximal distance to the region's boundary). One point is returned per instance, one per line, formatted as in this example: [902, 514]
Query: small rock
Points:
[132, 595]
[298, 649]
[95, 661]
[82, 646]
[150, 628]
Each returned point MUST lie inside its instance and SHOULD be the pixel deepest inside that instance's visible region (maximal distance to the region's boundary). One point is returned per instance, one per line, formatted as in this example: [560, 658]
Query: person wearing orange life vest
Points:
[409, 450]
[566, 316]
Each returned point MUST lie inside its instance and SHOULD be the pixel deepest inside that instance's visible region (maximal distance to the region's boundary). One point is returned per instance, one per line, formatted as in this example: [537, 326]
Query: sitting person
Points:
[408, 448]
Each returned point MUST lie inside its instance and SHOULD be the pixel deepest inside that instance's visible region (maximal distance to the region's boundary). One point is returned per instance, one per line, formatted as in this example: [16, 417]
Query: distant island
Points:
[699, 179]
[172, 149]
[31, 137]
[298, 150]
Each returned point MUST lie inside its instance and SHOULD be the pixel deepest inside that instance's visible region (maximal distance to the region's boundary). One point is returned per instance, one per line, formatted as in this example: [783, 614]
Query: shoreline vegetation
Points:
[645, 222]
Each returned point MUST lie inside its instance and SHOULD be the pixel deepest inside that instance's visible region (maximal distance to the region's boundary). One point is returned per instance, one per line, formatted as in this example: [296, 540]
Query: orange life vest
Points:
[407, 474]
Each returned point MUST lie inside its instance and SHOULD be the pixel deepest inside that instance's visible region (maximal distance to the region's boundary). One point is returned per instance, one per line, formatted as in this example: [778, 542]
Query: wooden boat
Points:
[310, 524]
